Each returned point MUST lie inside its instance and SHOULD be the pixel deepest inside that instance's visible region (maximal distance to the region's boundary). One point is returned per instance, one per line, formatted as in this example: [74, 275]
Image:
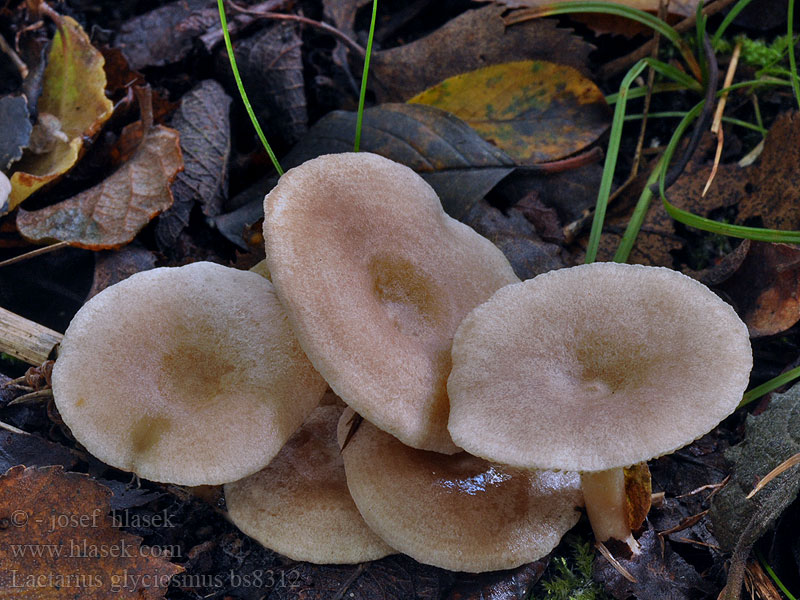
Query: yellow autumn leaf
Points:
[535, 111]
[73, 92]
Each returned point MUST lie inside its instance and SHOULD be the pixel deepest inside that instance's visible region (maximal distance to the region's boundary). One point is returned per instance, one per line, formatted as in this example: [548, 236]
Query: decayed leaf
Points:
[61, 542]
[638, 493]
[15, 129]
[770, 439]
[272, 65]
[474, 39]
[204, 126]
[343, 13]
[31, 450]
[73, 93]
[167, 34]
[684, 8]
[112, 266]
[663, 575]
[515, 584]
[775, 185]
[534, 110]
[111, 213]
[446, 152]
[766, 288]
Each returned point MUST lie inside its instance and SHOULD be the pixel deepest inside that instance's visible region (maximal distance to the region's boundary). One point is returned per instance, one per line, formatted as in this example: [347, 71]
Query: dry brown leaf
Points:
[766, 288]
[59, 542]
[774, 188]
[475, 39]
[111, 213]
[73, 94]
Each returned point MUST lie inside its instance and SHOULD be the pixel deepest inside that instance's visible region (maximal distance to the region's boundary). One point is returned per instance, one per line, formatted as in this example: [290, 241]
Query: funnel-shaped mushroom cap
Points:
[595, 367]
[457, 512]
[187, 375]
[375, 278]
[299, 505]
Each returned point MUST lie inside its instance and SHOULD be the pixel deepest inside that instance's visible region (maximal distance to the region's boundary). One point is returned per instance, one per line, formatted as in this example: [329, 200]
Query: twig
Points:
[26, 340]
[784, 466]
[14, 57]
[212, 38]
[620, 64]
[615, 563]
[12, 429]
[716, 124]
[33, 253]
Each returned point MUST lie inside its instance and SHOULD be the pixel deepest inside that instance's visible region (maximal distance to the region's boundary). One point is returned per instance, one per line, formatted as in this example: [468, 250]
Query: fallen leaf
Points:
[343, 13]
[766, 288]
[167, 34]
[73, 93]
[534, 110]
[32, 451]
[15, 130]
[271, 64]
[684, 8]
[770, 438]
[113, 266]
[774, 186]
[510, 231]
[445, 151]
[663, 575]
[59, 541]
[203, 123]
[515, 584]
[111, 213]
[474, 39]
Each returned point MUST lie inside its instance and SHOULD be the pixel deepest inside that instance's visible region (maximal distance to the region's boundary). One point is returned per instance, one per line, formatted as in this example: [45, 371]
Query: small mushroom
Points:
[188, 375]
[594, 368]
[299, 504]
[375, 278]
[457, 512]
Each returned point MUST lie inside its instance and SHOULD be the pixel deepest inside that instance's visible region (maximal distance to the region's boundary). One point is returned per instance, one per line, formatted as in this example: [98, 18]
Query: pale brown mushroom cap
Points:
[188, 375]
[300, 506]
[375, 278]
[595, 367]
[457, 511]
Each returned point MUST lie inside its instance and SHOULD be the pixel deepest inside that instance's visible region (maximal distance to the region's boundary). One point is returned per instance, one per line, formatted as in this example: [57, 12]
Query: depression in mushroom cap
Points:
[595, 368]
[187, 375]
[375, 278]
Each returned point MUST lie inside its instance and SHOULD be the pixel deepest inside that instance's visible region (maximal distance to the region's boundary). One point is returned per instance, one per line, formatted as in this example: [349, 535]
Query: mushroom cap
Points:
[375, 278]
[299, 504]
[595, 367]
[457, 512]
[188, 375]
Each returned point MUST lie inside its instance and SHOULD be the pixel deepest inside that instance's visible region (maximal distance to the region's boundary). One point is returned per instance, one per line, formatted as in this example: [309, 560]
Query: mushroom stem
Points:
[605, 499]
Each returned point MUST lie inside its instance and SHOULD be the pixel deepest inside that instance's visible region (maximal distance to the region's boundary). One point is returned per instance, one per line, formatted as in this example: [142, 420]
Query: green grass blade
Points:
[362, 96]
[792, 58]
[740, 231]
[611, 161]
[768, 386]
[637, 218]
[229, 47]
[732, 14]
[774, 576]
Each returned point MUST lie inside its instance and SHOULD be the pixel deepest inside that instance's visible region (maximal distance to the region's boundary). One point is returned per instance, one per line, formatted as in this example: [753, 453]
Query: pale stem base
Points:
[605, 499]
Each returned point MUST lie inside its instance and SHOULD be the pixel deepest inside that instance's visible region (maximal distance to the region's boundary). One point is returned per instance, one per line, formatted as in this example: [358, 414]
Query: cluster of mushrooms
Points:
[492, 408]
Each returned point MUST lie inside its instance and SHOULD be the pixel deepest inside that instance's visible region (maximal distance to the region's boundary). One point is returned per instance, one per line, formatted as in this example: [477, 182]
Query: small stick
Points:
[784, 466]
[34, 253]
[716, 124]
[26, 340]
[615, 563]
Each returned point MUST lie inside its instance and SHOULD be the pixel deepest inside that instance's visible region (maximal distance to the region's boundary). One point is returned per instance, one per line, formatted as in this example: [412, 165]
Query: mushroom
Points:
[457, 512]
[299, 504]
[187, 375]
[594, 368]
[375, 278]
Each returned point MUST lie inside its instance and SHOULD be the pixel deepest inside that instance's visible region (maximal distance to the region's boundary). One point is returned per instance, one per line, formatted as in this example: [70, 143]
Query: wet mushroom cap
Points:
[595, 367]
[457, 511]
[300, 506]
[375, 278]
[187, 375]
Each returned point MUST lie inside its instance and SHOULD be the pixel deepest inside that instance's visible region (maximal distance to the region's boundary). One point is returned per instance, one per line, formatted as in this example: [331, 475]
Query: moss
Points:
[569, 577]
